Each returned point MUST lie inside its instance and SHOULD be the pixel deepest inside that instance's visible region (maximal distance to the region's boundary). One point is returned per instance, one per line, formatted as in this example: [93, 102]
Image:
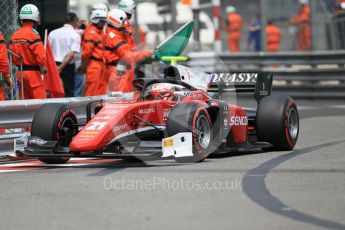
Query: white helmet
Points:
[303, 2]
[128, 6]
[230, 9]
[116, 18]
[98, 15]
[100, 6]
[29, 12]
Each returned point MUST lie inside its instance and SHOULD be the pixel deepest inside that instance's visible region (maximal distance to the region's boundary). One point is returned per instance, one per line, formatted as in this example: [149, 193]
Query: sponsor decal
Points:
[239, 121]
[264, 93]
[160, 86]
[168, 142]
[86, 133]
[146, 111]
[225, 122]
[249, 78]
[37, 141]
[120, 127]
[109, 112]
[166, 114]
[103, 118]
[187, 94]
[20, 143]
[96, 125]
[195, 96]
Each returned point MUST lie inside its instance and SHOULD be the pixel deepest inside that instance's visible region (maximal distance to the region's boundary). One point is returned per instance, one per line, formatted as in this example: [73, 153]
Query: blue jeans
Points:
[79, 85]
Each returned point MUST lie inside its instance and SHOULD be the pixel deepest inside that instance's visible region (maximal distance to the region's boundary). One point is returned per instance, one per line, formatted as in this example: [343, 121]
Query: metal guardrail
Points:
[319, 74]
[19, 114]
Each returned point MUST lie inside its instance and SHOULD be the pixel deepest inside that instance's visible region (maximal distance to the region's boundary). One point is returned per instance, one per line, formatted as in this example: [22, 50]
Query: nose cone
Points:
[89, 140]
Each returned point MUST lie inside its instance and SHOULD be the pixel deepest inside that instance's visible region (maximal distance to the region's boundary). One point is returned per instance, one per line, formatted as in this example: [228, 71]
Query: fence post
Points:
[217, 29]
[263, 20]
[196, 17]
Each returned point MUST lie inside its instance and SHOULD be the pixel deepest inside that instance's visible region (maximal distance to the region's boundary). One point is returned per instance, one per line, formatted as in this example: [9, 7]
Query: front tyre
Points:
[277, 122]
[194, 118]
[55, 122]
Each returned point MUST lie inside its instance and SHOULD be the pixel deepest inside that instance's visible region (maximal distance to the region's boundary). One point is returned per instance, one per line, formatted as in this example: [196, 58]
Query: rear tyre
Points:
[55, 122]
[193, 118]
[277, 122]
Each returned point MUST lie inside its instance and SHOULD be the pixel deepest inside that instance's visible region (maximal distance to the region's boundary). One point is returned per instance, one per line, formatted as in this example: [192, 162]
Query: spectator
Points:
[4, 70]
[273, 37]
[340, 21]
[93, 63]
[116, 49]
[254, 35]
[27, 43]
[65, 43]
[4, 67]
[234, 27]
[79, 77]
[302, 21]
[128, 6]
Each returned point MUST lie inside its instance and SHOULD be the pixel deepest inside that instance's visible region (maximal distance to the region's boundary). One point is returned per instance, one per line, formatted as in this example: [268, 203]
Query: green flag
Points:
[176, 43]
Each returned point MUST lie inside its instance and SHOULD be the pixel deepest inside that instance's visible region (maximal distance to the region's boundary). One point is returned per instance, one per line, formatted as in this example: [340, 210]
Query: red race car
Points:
[169, 117]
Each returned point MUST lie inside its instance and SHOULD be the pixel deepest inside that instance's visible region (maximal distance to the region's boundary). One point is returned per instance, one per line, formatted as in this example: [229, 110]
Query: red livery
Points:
[181, 115]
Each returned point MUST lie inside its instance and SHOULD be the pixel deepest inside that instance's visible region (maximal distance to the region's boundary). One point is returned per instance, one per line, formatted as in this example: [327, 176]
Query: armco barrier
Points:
[19, 114]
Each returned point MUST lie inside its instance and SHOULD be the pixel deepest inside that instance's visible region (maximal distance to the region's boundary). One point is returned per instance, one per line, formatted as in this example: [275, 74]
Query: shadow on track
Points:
[255, 188]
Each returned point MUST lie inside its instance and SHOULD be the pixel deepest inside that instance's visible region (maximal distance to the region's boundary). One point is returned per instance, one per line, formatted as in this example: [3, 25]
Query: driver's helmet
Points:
[162, 91]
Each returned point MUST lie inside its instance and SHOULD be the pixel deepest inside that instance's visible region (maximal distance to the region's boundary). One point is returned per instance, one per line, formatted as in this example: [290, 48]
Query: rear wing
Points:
[258, 83]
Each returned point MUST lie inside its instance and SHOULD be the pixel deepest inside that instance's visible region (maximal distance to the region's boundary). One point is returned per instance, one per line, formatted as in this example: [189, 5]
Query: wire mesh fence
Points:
[8, 24]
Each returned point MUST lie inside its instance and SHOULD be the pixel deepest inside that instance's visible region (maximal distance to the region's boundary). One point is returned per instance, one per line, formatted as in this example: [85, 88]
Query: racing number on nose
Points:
[96, 125]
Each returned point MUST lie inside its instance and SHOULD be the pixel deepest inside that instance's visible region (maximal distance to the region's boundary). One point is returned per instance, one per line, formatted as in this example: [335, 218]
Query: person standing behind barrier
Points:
[65, 43]
[254, 35]
[128, 6]
[4, 67]
[302, 21]
[116, 49]
[339, 14]
[27, 43]
[234, 27]
[273, 37]
[4, 70]
[79, 78]
[93, 62]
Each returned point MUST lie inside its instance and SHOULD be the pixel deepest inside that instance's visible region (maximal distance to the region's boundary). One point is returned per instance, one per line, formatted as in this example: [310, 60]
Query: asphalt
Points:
[301, 189]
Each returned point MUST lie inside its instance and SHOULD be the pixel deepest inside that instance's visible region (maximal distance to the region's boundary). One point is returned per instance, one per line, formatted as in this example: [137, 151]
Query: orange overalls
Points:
[142, 37]
[234, 26]
[93, 49]
[273, 38]
[4, 67]
[27, 43]
[302, 20]
[118, 50]
[129, 34]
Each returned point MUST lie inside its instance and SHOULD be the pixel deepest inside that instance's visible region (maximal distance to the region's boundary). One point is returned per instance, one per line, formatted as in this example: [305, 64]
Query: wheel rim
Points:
[203, 132]
[293, 123]
[66, 132]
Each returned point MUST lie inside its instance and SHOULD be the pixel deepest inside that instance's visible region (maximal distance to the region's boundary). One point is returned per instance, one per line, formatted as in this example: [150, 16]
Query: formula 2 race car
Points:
[169, 117]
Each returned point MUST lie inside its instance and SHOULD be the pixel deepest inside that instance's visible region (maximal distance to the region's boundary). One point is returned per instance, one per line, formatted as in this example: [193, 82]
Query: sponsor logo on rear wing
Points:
[259, 83]
[234, 78]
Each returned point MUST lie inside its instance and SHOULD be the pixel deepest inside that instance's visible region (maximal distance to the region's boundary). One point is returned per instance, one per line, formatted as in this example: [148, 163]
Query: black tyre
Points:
[194, 118]
[277, 122]
[55, 122]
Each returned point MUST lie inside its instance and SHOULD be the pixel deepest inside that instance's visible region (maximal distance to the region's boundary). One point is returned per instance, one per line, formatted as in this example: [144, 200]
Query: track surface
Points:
[303, 189]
